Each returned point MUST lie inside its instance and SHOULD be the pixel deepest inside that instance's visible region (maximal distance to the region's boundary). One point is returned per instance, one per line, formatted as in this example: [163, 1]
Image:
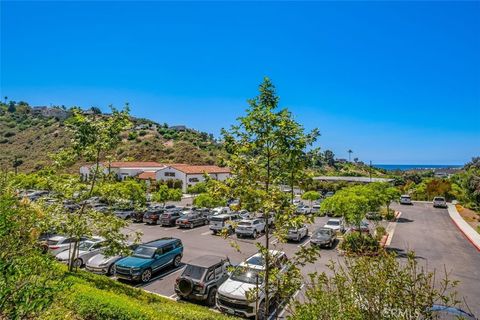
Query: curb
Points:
[472, 236]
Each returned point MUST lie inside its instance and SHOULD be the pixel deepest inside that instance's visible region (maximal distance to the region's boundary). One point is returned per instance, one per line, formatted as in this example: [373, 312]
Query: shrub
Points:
[132, 135]
[9, 134]
[380, 232]
[359, 244]
[142, 133]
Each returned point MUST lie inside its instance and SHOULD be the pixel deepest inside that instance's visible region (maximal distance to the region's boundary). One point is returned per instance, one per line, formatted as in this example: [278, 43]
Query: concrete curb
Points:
[464, 227]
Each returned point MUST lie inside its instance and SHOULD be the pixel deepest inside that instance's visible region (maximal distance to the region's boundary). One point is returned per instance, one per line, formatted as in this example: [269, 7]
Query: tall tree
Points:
[329, 158]
[349, 154]
[93, 139]
[265, 142]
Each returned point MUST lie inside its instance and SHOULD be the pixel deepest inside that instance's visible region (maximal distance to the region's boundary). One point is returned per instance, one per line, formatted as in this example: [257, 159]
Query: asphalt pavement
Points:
[439, 246]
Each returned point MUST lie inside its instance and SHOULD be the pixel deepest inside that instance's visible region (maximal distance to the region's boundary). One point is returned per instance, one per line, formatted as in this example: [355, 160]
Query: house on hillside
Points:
[178, 128]
[122, 169]
[48, 112]
[191, 174]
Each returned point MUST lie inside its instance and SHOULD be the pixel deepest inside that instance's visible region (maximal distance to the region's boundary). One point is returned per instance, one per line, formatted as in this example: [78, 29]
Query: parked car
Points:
[329, 194]
[405, 199]
[336, 224]
[70, 206]
[364, 227]
[303, 209]
[297, 234]
[152, 216]
[315, 209]
[191, 220]
[250, 227]
[244, 214]
[102, 264]
[442, 312]
[149, 258]
[439, 202]
[124, 214]
[232, 295]
[219, 210]
[169, 218]
[100, 207]
[59, 243]
[323, 237]
[224, 221]
[201, 278]
[86, 250]
[138, 215]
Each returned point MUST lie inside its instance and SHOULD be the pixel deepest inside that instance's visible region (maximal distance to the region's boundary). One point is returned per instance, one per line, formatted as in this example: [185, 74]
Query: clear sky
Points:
[396, 82]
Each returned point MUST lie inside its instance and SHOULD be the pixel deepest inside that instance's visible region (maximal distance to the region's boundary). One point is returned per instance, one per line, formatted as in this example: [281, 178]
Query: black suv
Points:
[201, 278]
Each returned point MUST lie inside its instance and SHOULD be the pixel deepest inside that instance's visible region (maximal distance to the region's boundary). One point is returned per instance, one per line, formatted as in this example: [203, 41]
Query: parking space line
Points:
[305, 243]
[173, 296]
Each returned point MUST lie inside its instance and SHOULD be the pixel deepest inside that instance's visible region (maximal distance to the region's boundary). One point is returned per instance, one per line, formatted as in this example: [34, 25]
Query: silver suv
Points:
[439, 202]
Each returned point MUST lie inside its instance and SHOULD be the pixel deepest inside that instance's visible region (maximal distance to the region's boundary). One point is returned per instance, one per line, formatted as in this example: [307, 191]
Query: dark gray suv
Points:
[201, 278]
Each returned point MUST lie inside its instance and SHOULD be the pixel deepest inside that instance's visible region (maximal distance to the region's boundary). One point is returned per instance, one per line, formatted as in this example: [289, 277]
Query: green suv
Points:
[149, 258]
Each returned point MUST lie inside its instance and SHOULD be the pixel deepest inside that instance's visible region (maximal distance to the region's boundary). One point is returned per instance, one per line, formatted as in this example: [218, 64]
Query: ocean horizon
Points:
[405, 167]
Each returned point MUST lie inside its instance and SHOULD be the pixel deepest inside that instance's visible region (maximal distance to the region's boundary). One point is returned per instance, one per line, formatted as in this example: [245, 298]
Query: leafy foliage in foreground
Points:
[95, 297]
[379, 287]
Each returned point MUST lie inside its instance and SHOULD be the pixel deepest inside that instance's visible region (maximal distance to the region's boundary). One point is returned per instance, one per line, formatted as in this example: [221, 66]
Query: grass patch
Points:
[92, 297]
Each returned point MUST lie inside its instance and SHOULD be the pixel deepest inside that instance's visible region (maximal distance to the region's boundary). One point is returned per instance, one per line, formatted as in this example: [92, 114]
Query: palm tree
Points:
[349, 154]
[6, 98]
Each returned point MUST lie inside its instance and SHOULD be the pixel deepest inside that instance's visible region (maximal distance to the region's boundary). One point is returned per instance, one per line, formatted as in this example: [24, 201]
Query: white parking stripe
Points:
[173, 296]
[305, 243]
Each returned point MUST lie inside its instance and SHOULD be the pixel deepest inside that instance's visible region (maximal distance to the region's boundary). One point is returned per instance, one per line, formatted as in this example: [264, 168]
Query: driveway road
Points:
[437, 241]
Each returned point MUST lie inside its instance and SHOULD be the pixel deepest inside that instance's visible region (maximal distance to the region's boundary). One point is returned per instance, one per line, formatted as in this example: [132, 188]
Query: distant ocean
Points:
[405, 167]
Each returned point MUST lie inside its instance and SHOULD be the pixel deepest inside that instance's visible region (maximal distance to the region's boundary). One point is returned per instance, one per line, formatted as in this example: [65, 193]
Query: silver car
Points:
[102, 264]
[86, 250]
[59, 243]
[297, 234]
[439, 202]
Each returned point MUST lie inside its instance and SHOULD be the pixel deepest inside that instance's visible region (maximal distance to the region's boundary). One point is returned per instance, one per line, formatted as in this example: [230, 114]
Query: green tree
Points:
[164, 194]
[259, 149]
[329, 157]
[198, 188]
[311, 196]
[29, 280]
[379, 287]
[205, 200]
[93, 138]
[133, 192]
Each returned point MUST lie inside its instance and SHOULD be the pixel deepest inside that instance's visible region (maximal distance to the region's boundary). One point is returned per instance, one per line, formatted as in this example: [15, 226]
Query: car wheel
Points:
[77, 263]
[176, 261]
[110, 270]
[212, 297]
[146, 275]
[254, 234]
[261, 311]
[127, 217]
[191, 225]
[206, 222]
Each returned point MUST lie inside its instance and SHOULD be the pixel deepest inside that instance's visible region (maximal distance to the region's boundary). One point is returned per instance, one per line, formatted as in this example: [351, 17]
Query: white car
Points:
[303, 209]
[223, 221]
[86, 250]
[316, 208]
[232, 294]
[250, 228]
[297, 234]
[220, 210]
[439, 202]
[59, 243]
[405, 199]
[336, 224]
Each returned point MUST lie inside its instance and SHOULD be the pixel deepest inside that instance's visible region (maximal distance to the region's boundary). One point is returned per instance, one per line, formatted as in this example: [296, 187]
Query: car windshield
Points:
[220, 219]
[52, 242]
[247, 275]
[194, 272]
[144, 252]
[333, 223]
[85, 245]
[245, 223]
[439, 199]
[322, 232]
[405, 197]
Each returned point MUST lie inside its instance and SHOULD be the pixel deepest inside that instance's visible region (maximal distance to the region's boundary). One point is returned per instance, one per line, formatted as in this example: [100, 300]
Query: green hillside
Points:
[32, 137]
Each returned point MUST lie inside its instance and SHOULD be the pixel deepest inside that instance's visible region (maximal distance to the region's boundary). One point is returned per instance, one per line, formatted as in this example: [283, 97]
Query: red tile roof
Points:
[193, 169]
[147, 175]
[134, 164]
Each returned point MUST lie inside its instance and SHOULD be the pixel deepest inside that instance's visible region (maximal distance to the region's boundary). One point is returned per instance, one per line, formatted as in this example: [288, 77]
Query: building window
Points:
[169, 174]
[193, 180]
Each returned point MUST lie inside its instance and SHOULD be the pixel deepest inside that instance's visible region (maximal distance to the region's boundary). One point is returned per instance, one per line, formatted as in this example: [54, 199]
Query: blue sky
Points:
[397, 82]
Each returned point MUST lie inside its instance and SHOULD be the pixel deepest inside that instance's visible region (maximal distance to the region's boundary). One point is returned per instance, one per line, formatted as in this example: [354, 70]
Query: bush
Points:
[9, 134]
[359, 244]
[380, 232]
[132, 135]
[142, 133]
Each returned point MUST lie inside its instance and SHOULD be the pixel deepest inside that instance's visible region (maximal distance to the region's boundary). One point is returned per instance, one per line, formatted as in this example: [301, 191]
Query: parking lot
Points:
[428, 231]
[200, 241]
